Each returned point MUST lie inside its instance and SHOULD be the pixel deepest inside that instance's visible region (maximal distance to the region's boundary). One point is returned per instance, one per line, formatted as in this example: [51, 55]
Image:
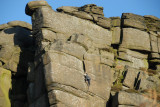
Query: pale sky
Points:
[11, 10]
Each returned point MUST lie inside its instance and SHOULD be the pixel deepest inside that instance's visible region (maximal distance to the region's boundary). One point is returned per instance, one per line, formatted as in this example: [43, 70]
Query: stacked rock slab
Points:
[68, 47]
[120, 56]
[15, 53]
[77, 57]
[137, 62]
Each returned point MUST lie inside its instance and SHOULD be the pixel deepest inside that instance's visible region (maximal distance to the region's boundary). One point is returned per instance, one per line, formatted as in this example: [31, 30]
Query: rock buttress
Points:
[120, 56]
[16, 51]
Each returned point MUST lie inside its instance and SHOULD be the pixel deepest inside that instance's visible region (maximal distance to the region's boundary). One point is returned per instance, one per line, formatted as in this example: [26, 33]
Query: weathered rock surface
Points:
[69, 51]
[77, 57]
[152, 22]
[16, 50]
[135, 39]
[89, 12]
[134, 99]
[74, 25]
[133, 20]
[115, 21]
[116, 35]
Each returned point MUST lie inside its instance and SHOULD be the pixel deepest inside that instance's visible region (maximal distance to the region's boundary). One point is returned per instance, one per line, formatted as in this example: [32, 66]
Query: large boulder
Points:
[135, 99]
[69, 25]
[13, 41]
[92, 8]
[65, 69]
[152, 22]
[135, 39]
[138, 60]
[133, 20]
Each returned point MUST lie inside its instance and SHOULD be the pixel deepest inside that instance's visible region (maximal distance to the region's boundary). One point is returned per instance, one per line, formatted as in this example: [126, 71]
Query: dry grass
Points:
[132, 91]
[151, 94]
[116, 87]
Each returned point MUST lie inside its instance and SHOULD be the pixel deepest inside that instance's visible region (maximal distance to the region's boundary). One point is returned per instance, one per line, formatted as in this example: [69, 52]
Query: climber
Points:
[87, 79]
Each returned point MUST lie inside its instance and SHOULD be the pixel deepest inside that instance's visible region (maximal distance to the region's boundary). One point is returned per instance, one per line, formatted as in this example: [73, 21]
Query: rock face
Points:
[75, 57]
[16, 50]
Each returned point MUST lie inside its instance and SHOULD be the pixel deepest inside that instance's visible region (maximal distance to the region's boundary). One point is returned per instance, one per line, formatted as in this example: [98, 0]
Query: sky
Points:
[11, 10]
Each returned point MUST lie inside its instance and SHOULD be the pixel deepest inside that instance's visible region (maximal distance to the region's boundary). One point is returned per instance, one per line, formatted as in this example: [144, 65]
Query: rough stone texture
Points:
[12, 42]
[92, 8]
[134, 99]
[31, 6]
[130, 78]
[115, 21]
[72, 25]
[133, 20]
[154, 47]
[133, 53]
[135, 39]
[101, 82]
[136, 62]
[116, 34]
[152, 22]
[16, 23]
[69, 48]
[137, 59]
[57, 72]
[154, 41]
[16, 50]
[154, 56]
[102, 21]
[89, 12]
[75, 12]
[77, 57]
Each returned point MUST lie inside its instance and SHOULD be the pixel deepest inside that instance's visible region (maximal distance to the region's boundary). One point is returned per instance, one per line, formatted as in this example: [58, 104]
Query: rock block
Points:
[92, 8]
[154, 56]
[133, 20]
[31, 6]
[69, 25]
[73, 49]
[135, 39]
[57, 73]
[63, 59]
[116, 34]
[102, 21]
[134, 99]
[134, 53]
[100, 80]
[131, 77]
[66, 98]
[75, 12]
[136, 62]
[152, 22]
[82, 40]
[154, 47]
[115, 21]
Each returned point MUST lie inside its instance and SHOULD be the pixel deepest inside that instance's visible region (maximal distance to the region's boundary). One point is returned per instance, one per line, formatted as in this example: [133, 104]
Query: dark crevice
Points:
[23, 40]
[84, 68]
[124, 75]
[141, 51]
[115, 46]
[137, 82]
